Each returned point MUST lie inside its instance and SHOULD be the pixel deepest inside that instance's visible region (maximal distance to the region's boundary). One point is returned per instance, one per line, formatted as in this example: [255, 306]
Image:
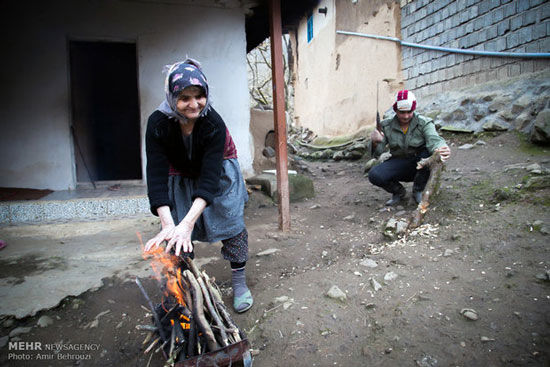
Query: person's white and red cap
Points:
[404, 101]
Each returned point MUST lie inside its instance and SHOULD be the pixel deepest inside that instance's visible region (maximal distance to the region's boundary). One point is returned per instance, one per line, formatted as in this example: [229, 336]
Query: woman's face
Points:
[191, 102]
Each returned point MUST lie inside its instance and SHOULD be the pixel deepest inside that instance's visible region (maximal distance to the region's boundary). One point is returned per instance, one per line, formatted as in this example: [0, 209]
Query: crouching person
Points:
[410, 137]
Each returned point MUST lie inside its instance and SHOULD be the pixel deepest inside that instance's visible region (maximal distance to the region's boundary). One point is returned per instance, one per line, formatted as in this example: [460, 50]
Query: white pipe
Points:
[448, 49]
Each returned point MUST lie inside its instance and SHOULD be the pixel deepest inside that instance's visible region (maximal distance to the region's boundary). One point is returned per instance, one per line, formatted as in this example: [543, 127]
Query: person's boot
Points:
[417, 196]
[398, 192]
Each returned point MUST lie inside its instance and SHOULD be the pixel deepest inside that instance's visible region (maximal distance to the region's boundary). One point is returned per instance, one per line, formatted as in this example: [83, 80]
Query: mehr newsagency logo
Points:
[36, 351]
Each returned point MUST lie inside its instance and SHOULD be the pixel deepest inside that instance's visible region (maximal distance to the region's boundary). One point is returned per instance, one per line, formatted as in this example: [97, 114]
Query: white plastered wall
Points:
[314, 68]
[335, 91]
[36, 148]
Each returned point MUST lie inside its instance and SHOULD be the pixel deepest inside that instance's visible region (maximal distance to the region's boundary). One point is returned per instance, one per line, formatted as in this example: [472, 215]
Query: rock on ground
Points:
[336, 293]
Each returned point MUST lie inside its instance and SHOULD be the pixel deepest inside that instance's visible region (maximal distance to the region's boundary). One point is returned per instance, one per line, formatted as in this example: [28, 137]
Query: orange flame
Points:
[166, 265]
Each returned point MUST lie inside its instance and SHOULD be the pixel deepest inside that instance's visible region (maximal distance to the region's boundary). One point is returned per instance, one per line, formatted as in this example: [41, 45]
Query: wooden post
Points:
[279, 113]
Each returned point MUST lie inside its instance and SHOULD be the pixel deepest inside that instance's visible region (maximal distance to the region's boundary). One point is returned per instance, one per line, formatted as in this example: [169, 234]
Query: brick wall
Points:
[485, 25]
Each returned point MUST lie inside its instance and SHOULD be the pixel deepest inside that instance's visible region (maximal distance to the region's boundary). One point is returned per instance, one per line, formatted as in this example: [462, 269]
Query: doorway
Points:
[105, 111]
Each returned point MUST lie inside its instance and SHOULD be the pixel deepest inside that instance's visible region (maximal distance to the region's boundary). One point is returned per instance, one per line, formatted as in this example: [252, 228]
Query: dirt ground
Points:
[480, 248]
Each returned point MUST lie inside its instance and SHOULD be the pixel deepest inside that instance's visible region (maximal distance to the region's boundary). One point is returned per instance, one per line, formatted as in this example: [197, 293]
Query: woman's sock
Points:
[238, 279]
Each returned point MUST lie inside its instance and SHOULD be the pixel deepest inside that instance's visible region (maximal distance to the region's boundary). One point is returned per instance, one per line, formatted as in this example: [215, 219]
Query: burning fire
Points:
[166, 266]
[191, 320]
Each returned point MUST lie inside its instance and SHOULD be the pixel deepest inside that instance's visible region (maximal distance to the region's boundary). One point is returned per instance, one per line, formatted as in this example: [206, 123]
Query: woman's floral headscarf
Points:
[180, 76]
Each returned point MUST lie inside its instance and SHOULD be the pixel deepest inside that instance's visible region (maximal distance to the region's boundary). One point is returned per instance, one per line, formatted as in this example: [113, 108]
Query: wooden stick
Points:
[145, 308]
[149, 361]
[146, 327]
[169, 312]
[214, 296]
[213, 312]
[151, 345]
[226, 329]
[435, 165]
[184, 286]
[173, 357]
[155, 316]
[161, 348]
[198, 312]
[223, 311]
[172, 342]
[207, 298]
[214, 293]
[148, 338]
[192, 341]
[429, 162]
[191, 264]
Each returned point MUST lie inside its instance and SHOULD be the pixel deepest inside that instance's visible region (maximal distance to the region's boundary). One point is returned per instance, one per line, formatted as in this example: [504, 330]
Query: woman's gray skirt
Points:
[224, 217]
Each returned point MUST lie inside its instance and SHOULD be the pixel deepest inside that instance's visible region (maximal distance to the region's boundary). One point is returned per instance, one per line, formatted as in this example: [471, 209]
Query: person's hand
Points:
[164, 235]
[181, 238]
[444, 153]
[376, 136]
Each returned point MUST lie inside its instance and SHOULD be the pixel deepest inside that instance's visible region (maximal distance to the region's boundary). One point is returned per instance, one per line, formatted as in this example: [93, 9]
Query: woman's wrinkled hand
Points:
[180, 238]
[164, 235]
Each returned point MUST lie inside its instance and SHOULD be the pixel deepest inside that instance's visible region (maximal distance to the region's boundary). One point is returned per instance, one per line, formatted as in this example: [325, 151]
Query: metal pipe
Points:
[536, 55]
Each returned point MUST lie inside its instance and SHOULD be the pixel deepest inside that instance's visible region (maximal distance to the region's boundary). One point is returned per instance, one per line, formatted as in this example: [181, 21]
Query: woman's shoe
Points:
[243, 303]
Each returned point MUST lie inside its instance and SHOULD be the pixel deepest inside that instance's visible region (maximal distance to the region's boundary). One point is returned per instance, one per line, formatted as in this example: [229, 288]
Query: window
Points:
[309, 28]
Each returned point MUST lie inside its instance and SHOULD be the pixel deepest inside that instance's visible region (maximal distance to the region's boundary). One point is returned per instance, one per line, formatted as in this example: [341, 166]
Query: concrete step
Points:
[80, 204]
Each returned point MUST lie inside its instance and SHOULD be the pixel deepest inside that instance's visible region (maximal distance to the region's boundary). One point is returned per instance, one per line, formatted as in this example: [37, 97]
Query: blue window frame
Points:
[309, 28]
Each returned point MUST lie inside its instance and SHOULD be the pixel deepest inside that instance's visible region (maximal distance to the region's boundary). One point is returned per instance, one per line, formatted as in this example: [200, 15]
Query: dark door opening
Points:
[105, 111]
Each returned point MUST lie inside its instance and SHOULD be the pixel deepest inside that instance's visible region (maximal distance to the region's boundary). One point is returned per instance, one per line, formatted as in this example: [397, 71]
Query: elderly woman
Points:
[194, 181]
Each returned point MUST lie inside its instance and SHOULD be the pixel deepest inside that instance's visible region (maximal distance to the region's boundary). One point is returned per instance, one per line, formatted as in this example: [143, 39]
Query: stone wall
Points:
[484, 25]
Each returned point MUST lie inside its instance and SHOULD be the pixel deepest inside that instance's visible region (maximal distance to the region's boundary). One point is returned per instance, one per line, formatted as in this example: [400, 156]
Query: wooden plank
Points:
[279, 113]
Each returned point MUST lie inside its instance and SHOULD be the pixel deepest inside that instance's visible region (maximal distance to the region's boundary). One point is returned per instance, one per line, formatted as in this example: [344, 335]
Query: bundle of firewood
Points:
[192, 319]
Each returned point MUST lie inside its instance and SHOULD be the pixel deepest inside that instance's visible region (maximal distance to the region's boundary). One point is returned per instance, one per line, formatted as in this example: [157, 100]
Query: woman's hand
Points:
[167, 225]
[180, 238]
[164, 235]
[444, 152]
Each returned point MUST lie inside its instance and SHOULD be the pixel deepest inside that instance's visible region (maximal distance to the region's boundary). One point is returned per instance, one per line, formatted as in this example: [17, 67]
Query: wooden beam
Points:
[276, 33]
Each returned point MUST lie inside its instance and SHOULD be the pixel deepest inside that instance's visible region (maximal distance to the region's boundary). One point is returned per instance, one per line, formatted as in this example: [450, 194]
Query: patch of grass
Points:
[327, 141]
[462, 138]
[482, 190]
[536, 198]
[505, 194]
[330, 142]
[527, 147]
[487, 134]
[525, 178]
[537, 183]
[487, 192]
[458, 139]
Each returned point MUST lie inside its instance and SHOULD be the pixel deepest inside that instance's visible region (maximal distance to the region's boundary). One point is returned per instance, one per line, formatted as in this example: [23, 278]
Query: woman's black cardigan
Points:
[164, 147]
